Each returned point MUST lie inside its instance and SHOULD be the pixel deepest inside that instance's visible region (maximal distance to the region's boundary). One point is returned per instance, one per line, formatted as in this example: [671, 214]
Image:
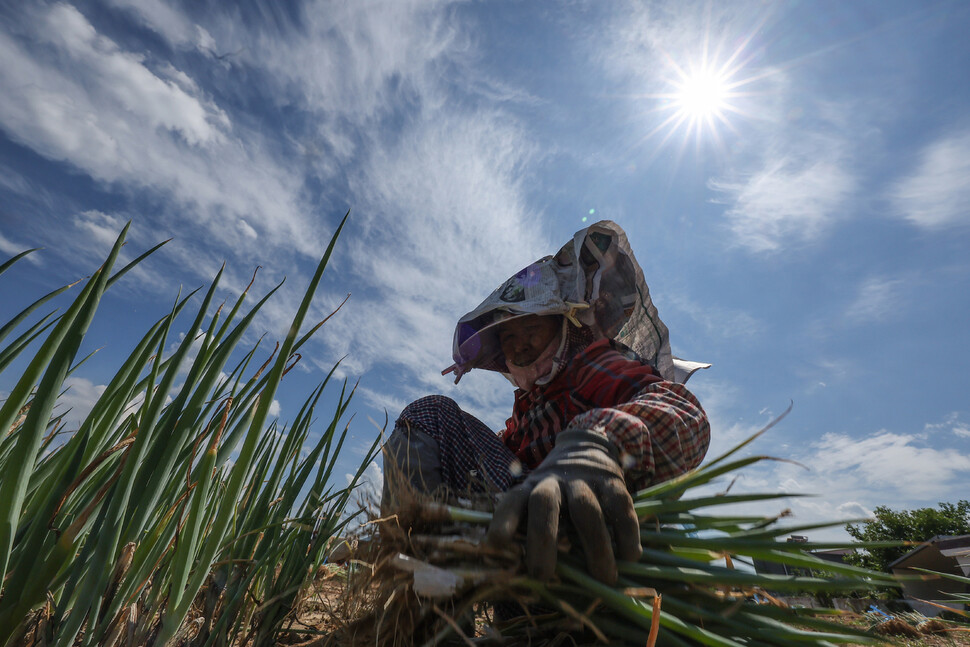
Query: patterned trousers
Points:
[435, 445]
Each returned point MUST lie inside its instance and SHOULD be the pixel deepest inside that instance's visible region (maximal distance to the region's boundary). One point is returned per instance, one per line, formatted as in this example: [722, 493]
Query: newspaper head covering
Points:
[593, 281]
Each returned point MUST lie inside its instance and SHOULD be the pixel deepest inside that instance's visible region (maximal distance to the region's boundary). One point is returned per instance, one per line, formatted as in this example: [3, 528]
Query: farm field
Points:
[326, 605]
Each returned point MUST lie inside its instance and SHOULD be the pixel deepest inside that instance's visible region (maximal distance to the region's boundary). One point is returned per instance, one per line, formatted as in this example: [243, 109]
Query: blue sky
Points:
[803, 225]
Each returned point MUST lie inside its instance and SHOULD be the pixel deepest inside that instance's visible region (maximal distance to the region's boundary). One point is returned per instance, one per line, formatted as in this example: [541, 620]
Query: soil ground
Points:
[948, 639]
[327, 605]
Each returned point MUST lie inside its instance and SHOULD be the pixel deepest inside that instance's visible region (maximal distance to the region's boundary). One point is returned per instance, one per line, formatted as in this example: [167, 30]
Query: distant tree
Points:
[910, 525]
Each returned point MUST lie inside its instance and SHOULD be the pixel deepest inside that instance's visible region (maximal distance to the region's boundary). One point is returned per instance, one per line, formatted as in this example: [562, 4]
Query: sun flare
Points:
[702, 95]
[705, 95]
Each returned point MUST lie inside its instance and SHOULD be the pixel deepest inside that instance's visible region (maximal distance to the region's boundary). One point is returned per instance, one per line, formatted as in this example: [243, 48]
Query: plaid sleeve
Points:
[661, 433]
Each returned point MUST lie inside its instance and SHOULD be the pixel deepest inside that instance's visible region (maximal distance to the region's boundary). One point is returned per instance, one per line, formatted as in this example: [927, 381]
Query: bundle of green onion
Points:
[434, 581]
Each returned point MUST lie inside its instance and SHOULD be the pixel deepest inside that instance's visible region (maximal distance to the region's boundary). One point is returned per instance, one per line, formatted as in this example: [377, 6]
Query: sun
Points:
[703, 95]
[700, 100]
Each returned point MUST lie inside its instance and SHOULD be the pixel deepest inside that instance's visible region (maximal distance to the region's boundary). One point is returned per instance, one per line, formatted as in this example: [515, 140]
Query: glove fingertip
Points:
[545, 503]
[542, 567]
[601, 563]
[607, 576]
[507, 515]
[629, 551]
[618, 508]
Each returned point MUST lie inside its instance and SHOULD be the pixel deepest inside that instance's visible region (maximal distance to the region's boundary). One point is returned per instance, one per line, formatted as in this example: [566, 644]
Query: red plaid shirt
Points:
[658, 427]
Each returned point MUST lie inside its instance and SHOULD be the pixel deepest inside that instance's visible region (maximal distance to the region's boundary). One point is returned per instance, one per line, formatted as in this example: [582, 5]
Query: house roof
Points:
[940, 542]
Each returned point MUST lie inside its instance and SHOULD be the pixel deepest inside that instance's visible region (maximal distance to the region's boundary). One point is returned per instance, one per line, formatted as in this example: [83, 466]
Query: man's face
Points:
[523, 339]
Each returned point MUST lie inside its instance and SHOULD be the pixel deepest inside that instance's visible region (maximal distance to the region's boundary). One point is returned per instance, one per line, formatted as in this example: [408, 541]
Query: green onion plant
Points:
[177, 513]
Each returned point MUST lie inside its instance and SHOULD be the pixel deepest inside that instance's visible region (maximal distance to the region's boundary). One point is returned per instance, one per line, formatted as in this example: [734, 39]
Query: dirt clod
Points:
[897, 627]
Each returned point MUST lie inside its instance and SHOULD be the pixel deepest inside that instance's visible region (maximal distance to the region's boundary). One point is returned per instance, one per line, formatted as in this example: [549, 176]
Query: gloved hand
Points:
[583, 471]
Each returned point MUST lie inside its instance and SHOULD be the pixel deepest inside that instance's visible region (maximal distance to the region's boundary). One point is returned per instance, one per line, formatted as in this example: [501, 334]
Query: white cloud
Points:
[788, 199]
[440, 214]
[130, 119]
[78, 400]
[13, 181]
[180, 78]
[847, 476]
[247, 229]
[190, 357]
[385, 401]
[175, 27]
[104, 111]
[100, 227]
[876, 299]
[12, 248]
[371, 482]
[851, 475]
[647, 37]
[79, 397]
[344, 55]
[838, 368]
[936, 194]
[445, 221]
[853, 510]
[122, 77]
[879, 460]
[951, 422]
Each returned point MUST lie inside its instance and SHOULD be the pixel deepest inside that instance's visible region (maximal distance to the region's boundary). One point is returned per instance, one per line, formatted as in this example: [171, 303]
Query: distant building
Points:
[835, 555]
[774, 568]
[943, 554]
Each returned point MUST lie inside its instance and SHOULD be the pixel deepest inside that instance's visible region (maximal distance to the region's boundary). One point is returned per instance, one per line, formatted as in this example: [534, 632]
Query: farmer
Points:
[598, 408]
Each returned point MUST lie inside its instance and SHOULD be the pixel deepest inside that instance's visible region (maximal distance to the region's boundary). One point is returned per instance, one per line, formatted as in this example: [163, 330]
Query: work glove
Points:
[581, 476]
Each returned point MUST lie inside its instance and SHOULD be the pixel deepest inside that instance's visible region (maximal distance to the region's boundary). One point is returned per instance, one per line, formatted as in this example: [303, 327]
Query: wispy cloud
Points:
[143, 126]
[821, 372]
[647, 39]
[348, 62]
[720, 401]
[100, 227]
[12, 248]
[104, 111]
[878, 460]
[79, 397]
[12, 180]
[175, 27]
[122, 78]
[444, 221]
[952, 423]
[717, 321]
[936, 193]
[439, 208]
[790, 198]
[877, 298]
